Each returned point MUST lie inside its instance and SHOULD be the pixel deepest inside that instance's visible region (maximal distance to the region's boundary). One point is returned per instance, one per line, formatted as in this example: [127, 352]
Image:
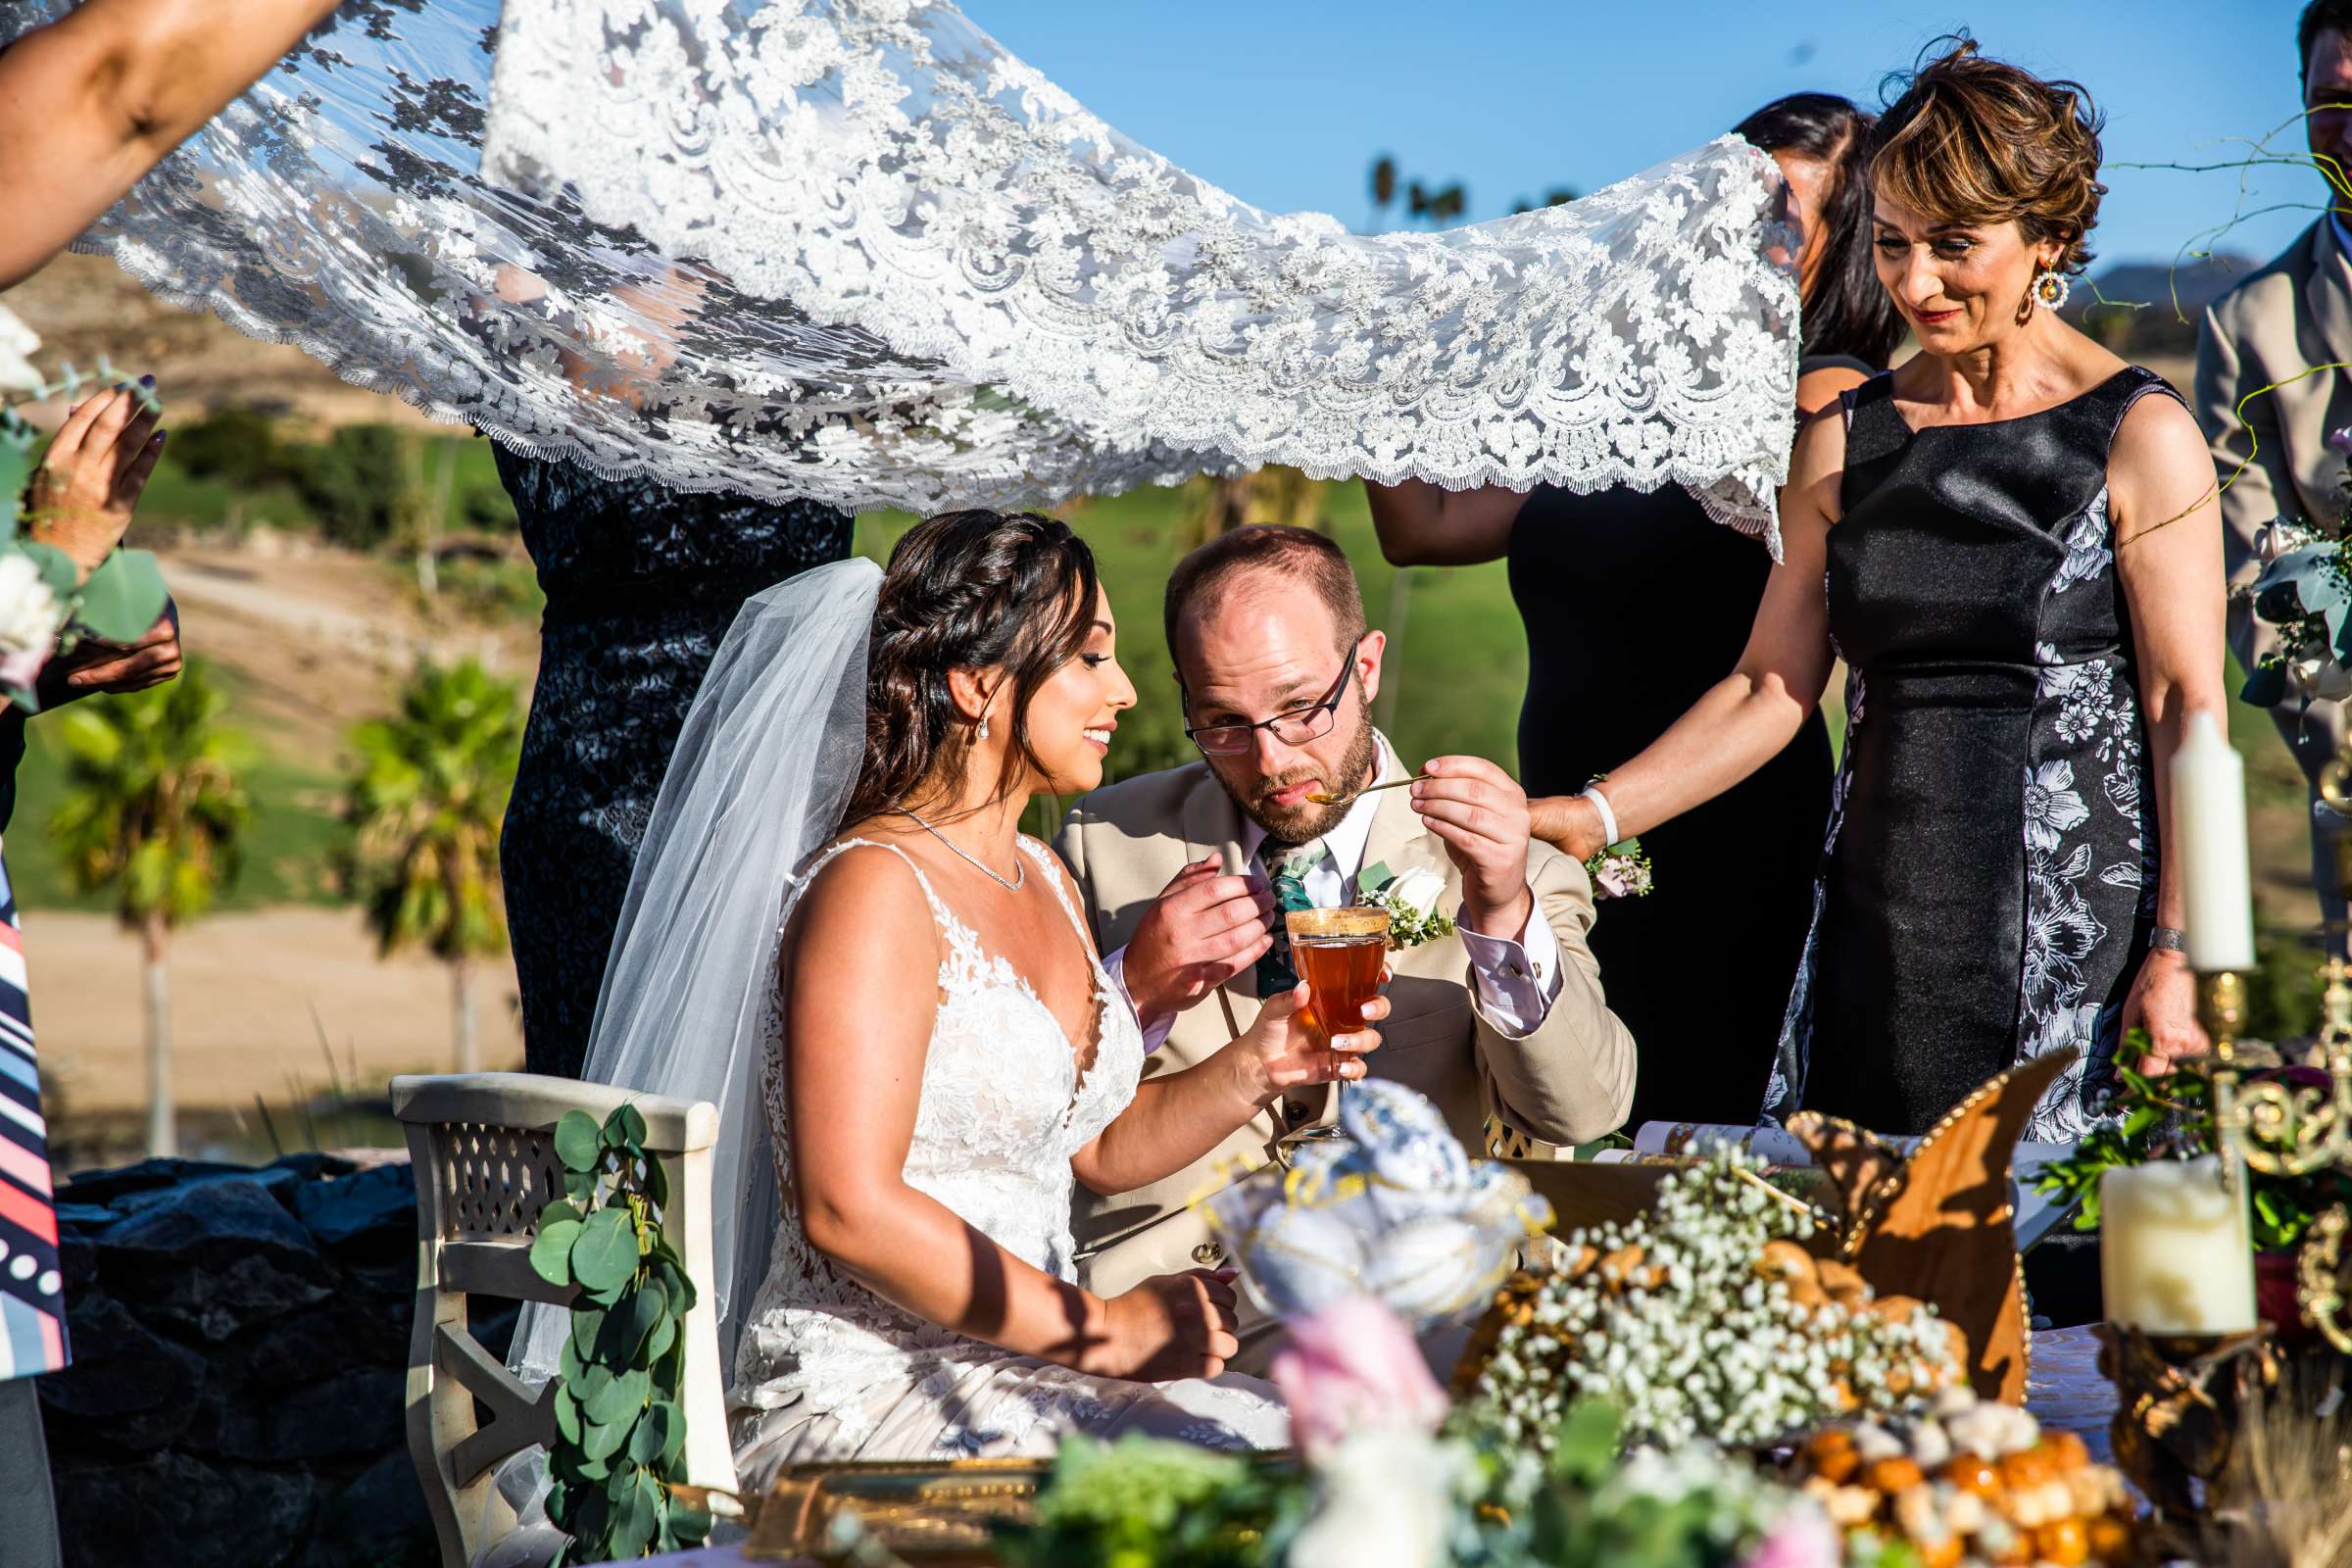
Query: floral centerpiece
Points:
[1706, 1317]
[1391, 1478]
[44, 598]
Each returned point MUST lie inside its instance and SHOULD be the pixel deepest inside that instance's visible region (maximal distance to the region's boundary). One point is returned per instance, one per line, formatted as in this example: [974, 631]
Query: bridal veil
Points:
[763, 767]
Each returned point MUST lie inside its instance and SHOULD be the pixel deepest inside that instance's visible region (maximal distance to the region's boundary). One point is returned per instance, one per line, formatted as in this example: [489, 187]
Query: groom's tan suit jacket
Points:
[1570, 1081]
[2279, 322]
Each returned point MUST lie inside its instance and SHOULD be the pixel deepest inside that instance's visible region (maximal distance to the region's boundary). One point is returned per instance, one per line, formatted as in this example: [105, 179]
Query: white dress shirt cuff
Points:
[1516, 981]
[1155, 1030]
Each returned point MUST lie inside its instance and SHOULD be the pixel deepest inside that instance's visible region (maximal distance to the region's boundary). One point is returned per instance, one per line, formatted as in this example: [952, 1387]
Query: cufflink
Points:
[1209, 1254]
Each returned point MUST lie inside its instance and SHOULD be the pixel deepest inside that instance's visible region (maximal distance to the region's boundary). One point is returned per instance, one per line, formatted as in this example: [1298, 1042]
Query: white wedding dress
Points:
[827, 1370]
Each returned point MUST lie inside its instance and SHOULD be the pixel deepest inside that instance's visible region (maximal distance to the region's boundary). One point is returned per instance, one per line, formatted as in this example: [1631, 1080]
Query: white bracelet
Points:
[1608, 818]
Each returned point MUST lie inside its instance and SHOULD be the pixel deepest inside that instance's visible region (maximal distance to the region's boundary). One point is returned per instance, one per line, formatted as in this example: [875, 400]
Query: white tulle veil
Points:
[762, 770]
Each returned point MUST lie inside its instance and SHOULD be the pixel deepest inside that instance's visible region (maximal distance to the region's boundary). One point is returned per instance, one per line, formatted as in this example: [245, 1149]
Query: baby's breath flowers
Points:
[1701, 1320]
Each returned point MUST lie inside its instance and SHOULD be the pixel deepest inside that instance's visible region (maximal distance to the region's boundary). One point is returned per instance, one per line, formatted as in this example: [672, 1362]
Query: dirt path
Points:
[251, 996]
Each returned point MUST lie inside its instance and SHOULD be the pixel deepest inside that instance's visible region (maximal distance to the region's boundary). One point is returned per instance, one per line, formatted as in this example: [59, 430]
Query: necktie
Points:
[32, 1312]
[1286, 867]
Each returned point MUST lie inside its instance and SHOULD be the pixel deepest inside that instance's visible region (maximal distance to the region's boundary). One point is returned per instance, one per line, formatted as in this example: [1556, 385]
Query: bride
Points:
[854, 772]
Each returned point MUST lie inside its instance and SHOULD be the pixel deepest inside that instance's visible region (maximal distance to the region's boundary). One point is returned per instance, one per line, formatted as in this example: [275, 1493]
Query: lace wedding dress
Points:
[826, 1370]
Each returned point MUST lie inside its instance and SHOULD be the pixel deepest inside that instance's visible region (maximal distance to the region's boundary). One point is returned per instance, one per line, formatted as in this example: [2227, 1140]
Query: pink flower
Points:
[1353, 1366]
[1613, 880]
[1803, 1539]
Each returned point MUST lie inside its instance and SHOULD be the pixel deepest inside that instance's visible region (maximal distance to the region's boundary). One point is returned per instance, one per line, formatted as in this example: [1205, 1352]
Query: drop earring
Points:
[983, 726]
[2050, 287]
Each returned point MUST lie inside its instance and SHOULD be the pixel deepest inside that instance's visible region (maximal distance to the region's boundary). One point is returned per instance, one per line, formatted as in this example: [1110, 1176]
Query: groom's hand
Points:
[1480, 812]
[1203, 929]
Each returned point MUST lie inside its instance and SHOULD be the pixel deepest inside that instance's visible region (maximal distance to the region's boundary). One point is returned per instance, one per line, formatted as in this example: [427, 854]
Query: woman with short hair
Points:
[2023, 564]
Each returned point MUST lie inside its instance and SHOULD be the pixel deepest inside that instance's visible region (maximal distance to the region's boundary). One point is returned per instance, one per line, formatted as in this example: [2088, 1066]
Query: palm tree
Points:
[425, 800]
[154, 810]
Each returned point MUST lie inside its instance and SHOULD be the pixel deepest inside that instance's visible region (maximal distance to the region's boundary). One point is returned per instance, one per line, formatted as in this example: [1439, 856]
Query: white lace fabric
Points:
[886, 163]
[828, 1370]
[855, 252]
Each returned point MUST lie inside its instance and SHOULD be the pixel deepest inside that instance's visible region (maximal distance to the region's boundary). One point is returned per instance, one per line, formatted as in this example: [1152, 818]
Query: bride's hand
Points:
[1281, 1051]
[1170, 1326]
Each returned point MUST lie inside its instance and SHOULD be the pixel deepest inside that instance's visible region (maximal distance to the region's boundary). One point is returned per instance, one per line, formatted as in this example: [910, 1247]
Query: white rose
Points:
[1418, 891]
[30, 613]
[17, 345]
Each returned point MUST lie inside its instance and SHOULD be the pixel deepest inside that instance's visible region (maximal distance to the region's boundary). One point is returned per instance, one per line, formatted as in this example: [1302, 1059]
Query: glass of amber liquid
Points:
[1338, 954]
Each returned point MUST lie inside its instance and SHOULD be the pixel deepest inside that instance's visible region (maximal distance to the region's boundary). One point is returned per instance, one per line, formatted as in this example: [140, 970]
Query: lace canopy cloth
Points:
[852, 250]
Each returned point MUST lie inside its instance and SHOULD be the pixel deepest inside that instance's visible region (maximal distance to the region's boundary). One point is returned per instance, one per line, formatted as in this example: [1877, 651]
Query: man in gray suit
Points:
[2271, 384]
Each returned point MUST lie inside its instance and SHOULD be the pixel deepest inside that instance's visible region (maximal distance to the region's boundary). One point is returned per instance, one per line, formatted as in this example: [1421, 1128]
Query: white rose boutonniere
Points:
[1411, 899]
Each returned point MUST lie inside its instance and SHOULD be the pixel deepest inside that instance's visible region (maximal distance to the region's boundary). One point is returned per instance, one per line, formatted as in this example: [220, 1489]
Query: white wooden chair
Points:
[483, 1149]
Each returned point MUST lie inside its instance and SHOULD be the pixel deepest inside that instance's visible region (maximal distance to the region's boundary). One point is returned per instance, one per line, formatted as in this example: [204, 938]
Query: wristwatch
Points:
[2169, 938]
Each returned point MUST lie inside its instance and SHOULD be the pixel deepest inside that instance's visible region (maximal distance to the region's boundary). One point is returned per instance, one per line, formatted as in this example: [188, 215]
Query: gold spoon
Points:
[1318, 798]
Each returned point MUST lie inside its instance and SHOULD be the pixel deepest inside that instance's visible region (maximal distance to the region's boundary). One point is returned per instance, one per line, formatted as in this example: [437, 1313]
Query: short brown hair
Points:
[1304, 554]
[1972, 140]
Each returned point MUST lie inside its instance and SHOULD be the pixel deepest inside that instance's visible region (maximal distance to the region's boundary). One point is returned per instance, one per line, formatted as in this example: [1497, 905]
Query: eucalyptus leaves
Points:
[620, 1426]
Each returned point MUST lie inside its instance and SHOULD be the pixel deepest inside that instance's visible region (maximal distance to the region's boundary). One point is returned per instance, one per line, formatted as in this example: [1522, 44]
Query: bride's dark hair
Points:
[1011, 591]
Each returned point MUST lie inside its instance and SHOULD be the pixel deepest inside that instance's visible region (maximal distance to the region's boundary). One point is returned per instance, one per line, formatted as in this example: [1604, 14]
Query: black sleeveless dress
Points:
[1989, 887]
[1635, 604]
[642, 583]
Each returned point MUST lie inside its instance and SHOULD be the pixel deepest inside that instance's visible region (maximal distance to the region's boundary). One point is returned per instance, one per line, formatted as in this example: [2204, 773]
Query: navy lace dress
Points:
[1989, 887]
[642, 583]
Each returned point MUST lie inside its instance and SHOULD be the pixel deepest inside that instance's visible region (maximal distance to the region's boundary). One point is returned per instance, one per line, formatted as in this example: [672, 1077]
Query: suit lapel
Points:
[1212, 825]
[2329, 296]
[1399, 841]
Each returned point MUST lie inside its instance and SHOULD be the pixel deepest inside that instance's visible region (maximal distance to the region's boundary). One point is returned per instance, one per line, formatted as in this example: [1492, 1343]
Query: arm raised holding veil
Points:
[1745, 719]
[90, 103]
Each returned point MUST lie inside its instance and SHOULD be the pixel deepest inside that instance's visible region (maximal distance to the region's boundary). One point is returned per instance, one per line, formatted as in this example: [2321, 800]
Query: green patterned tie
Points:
[1286, 866]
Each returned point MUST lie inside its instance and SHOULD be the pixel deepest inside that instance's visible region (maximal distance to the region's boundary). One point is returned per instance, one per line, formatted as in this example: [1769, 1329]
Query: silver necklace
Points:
[1020, 869]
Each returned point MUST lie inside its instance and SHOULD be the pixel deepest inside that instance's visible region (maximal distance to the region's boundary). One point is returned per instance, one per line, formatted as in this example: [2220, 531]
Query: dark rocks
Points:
[240, 1342]
[378, 1521]
[361, 1211]
[217, 1255]
[179, 1509]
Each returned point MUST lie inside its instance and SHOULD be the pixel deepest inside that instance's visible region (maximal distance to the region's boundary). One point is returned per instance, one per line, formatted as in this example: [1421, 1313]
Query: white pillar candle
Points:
[2209, 835]
[2174, 1256]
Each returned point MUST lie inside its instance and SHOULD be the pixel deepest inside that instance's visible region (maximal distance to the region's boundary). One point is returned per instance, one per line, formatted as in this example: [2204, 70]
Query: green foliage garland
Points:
[619, 1421]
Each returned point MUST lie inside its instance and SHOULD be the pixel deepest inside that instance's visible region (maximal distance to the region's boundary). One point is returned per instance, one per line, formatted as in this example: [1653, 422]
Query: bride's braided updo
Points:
[1009, 591]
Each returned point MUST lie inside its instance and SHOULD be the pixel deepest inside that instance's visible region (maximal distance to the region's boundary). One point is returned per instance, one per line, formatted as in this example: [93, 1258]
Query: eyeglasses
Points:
[1293, 728]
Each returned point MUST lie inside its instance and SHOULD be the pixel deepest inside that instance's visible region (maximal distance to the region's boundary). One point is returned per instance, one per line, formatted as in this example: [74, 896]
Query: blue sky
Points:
[1285, 102]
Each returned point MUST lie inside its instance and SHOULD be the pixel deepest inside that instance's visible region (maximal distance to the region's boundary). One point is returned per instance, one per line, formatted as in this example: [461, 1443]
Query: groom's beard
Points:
[1308, 821]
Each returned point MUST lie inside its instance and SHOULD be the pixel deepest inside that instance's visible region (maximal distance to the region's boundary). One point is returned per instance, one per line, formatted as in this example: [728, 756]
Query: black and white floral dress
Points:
[641, 583]
[1989, 887]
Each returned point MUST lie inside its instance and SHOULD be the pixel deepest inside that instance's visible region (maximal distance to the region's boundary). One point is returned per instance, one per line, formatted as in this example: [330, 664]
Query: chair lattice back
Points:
[483, 1148]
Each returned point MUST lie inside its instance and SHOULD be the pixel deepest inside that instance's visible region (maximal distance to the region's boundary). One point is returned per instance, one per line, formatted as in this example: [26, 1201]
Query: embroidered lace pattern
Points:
[1005, 1102]
[855, 252]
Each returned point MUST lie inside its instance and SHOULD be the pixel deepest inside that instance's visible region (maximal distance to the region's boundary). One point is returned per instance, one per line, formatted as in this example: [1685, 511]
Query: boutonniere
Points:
[1411, 900]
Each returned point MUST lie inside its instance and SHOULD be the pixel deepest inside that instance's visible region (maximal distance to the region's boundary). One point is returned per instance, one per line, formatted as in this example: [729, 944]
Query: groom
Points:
[1185, 872]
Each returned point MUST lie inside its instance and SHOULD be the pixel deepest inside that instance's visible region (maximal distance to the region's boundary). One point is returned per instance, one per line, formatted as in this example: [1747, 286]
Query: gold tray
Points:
[927, 1512]
[938, 1512]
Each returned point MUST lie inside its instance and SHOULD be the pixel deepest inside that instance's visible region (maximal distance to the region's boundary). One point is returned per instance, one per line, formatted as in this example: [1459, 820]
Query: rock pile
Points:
[240, 1339]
